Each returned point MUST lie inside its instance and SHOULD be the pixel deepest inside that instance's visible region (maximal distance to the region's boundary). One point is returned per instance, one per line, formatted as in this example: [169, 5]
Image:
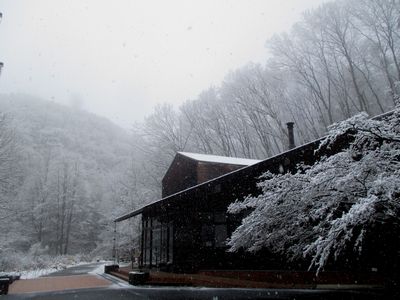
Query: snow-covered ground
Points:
[41, 272]
[37, 273]
[100, 269]
[57, 266]
[31, 273]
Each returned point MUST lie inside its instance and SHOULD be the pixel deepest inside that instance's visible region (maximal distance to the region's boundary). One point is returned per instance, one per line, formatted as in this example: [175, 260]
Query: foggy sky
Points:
[120, 58]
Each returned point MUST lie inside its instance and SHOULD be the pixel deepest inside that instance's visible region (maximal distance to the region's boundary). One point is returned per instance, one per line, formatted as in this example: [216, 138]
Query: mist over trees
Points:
[58, 166]
[65, 174]
[340, 59]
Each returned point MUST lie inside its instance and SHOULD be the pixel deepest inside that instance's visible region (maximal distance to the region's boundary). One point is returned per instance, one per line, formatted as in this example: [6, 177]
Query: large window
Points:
[220, 235]
[156, 246]
[207, 235]
[147, 241]
[214, 229]
[164, 244]
[157, 242]
[170, 242]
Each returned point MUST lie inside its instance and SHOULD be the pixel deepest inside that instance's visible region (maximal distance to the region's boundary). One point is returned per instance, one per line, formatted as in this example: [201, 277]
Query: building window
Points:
[214, 229]
[156, 240]
[220, 235]
[220, 218]
[170, 242]
[207, 235]
[147, 245]
[164, 243]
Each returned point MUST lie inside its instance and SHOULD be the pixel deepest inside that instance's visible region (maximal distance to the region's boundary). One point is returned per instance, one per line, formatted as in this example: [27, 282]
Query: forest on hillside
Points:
[65, 173]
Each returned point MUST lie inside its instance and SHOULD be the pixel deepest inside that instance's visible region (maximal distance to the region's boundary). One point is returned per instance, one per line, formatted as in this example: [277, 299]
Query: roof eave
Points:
[129, 215]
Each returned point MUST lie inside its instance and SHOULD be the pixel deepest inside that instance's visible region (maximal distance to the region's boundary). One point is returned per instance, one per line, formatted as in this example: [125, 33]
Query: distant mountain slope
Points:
[67, 186]
[94, 138]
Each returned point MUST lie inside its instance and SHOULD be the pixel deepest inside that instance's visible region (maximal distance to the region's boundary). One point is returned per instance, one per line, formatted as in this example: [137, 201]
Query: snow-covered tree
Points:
[9, 168]
[331, 209]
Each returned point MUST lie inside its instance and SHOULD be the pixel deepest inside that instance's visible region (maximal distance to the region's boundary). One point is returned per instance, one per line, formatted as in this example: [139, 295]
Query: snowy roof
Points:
[220, 159]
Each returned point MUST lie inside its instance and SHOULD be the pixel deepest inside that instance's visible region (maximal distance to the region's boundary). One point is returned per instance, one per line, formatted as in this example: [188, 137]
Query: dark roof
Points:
[240, 173]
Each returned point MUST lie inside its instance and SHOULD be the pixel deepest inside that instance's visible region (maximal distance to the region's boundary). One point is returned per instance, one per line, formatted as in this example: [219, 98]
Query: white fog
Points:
[120, 58]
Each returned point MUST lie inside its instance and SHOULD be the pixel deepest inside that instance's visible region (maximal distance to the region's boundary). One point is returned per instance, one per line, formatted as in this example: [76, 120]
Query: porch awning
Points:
[129, 215]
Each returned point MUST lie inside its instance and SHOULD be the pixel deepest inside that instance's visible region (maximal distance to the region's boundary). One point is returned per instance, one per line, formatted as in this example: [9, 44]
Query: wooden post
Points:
[114, 254]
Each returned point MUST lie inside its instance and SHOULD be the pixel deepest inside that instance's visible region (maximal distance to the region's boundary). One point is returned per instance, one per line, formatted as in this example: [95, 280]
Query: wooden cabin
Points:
[186, 230]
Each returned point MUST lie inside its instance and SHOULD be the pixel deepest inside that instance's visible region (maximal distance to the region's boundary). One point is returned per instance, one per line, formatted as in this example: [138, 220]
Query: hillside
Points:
[66, 168]
[38, 121]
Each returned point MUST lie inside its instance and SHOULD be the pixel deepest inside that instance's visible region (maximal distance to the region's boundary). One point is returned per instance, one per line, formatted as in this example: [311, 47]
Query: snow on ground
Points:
[37, 273]
[100, 269]
[34, 273]
[29, 274]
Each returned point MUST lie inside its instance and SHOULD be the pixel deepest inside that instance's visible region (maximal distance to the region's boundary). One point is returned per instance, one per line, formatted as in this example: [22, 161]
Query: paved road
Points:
[121, 290]
[77, 270]
[196, 293]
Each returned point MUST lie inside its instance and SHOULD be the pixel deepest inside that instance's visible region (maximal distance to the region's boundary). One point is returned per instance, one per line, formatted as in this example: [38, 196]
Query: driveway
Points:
[158, 293]
[78, 270]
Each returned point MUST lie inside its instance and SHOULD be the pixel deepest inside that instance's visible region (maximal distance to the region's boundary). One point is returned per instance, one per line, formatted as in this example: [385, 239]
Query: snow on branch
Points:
[325, 210]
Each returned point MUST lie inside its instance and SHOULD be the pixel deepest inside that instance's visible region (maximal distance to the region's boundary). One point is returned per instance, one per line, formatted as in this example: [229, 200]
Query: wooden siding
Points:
[207, 171]
[181, 175]
[185, 172]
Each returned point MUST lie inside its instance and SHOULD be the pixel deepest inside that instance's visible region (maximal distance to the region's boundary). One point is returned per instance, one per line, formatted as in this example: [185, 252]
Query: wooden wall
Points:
[185, 172]
[181, 175]
[207, 171]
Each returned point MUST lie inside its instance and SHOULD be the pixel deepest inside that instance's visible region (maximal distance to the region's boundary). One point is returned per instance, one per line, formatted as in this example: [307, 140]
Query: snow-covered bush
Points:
[327, 210]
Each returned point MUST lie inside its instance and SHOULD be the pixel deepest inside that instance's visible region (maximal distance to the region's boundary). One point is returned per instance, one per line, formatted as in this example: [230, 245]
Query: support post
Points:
[114, 254]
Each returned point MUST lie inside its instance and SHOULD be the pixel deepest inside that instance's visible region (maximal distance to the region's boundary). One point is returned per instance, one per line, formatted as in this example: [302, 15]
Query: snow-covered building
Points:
[186, 230]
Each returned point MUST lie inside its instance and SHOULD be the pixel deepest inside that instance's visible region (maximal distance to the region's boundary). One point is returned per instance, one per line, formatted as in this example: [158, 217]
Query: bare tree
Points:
[9, 166]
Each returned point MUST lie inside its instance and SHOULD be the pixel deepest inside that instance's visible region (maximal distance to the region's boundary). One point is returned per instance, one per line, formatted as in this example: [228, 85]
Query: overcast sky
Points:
[119, 58]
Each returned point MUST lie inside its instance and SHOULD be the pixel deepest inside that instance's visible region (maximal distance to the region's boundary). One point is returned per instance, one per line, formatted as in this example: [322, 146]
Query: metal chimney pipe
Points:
[290, 135]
